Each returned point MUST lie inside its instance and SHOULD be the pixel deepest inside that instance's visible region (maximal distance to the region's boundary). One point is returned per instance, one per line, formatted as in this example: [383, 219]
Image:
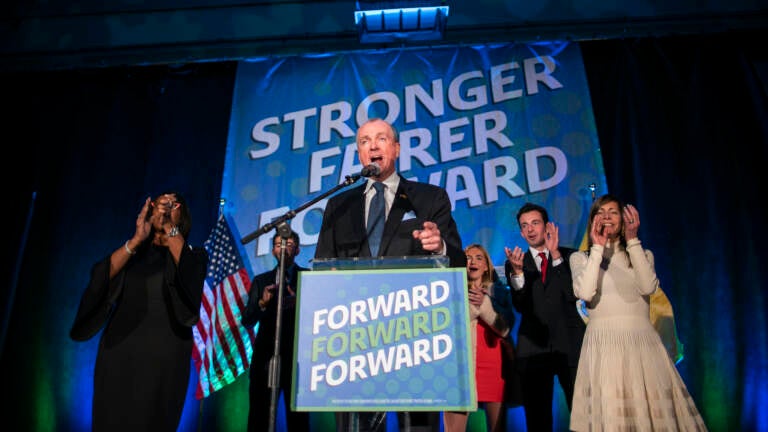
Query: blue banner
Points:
[383, 340]
[495, 125]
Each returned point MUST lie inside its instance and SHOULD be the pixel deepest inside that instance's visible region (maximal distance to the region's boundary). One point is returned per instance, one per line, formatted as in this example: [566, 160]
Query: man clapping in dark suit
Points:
[416, 220]
[551, 329]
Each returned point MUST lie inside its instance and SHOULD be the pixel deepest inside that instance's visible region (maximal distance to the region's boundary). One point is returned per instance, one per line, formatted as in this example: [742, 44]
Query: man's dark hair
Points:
[529, 207]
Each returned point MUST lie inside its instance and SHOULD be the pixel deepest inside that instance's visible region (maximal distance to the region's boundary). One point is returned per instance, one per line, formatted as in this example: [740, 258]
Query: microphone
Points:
[371, 170]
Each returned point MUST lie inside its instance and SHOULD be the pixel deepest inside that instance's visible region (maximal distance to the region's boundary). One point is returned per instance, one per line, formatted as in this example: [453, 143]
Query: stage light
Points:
[400, 21]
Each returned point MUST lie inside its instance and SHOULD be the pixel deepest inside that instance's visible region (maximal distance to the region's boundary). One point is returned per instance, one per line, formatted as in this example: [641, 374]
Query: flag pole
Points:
[200, 416]
[585, 239]
[220, 212]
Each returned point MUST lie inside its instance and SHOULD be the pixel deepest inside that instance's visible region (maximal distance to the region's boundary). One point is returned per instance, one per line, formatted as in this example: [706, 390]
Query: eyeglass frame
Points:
[288, 245]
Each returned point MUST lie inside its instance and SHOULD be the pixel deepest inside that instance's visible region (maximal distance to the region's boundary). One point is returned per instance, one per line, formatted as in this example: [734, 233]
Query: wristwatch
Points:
[174, 231]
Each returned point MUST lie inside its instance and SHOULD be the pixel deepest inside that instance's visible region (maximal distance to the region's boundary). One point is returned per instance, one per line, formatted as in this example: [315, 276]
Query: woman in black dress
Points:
[146, 296]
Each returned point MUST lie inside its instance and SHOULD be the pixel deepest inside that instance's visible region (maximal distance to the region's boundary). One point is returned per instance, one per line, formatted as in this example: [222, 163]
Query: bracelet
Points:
[174, 231]
[127, 249]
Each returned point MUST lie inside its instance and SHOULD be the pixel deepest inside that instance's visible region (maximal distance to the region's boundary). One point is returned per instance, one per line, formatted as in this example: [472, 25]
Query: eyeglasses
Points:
[168, 205]
[288, 245]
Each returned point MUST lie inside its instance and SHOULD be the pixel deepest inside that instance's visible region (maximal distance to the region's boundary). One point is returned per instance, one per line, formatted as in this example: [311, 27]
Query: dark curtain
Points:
[90, 146]
[683, 129]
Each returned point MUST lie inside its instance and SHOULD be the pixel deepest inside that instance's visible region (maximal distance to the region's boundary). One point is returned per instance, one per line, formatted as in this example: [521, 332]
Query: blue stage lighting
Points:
[401, 21]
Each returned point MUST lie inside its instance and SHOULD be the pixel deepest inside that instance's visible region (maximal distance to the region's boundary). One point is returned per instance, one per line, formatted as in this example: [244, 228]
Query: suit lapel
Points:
[272, 277]
[529, 264]
[358, 213]
[400, 206]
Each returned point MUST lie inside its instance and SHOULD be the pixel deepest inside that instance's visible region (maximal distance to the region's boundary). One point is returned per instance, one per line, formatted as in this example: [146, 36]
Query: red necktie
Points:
[544, 266]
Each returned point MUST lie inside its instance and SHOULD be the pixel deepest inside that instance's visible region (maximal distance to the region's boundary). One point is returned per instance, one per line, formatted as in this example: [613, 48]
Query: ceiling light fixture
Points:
[400, 21]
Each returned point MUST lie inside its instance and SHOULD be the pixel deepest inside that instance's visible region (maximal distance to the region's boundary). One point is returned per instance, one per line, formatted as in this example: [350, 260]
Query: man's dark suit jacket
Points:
[343, 233]
[549, 319]
[264, 344]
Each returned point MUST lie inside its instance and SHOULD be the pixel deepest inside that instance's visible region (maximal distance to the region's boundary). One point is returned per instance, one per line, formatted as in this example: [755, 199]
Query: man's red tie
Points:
[544, 266]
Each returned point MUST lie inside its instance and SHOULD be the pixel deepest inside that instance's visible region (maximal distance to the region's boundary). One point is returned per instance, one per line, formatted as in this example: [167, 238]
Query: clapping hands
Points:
[270, 291]
[515, 258]
[631, 221]
[143, 225]
[552, 240]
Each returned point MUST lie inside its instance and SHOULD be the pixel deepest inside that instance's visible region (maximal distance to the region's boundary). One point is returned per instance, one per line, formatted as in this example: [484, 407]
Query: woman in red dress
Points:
[490, 311]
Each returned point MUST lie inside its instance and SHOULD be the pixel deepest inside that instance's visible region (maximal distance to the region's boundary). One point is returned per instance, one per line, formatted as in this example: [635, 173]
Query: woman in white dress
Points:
[625, 379]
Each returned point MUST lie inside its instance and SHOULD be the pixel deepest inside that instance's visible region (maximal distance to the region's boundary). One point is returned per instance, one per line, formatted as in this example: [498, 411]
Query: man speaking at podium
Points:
[388, 216]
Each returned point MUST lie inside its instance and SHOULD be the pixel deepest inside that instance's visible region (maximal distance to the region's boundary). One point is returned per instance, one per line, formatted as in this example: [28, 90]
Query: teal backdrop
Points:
[495, 125]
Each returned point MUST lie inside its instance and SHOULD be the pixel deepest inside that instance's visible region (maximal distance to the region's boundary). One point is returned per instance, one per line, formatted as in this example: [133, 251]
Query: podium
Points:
[383, 334]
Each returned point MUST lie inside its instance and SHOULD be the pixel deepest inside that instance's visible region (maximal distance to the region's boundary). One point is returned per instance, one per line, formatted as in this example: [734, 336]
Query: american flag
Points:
[223, 347]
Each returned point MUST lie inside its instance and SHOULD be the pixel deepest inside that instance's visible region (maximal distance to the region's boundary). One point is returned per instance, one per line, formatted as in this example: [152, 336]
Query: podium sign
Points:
[383, 340]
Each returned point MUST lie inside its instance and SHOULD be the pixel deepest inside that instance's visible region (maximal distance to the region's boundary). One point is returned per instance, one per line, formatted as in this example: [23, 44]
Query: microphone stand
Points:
[273, 376]
[284, 231]
[290, 214]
